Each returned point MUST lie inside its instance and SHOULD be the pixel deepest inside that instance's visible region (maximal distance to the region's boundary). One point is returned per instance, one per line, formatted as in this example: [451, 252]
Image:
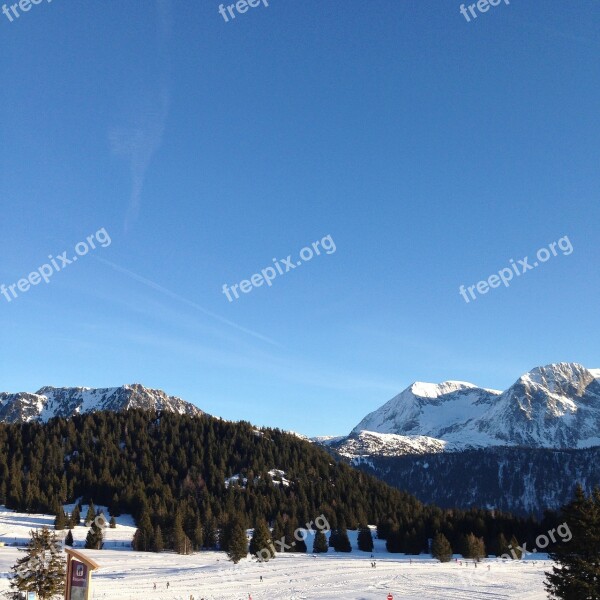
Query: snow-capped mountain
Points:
[370, 443]
[556, 406]
[52, 402]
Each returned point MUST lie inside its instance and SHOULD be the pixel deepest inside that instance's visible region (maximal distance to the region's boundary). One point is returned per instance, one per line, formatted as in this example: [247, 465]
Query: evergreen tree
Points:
[279, 533]
[42, 569]
[94, 539]
[76, 516]
[320, 543]
[158, 544]
[181, 542]
[69, 539]
[502, 546]
[342, 542]
[60, 520]
[365, 539]
[198, 535]
[474, 547]
[441, 548]
[210, 533]
[143, 539]
[261, 544]
[238, 542]
[91, 514]
[577, 574]
[513, 549]
[113, 523]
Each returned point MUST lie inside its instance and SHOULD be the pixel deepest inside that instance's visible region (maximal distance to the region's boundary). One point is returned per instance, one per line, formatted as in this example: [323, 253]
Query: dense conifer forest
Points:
[172, 473]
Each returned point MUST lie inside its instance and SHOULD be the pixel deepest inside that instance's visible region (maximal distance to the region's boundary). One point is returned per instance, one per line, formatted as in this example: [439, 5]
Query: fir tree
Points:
[69, 539]
[320, 543]
[342, 542]
[181, 542]
[365, 539]
[279, 533]
[42, 569]
[514, 550]
[91, 514]
[158, 544]
[76, 516]
[238, 542]
[94, 539]
[210, 533]
[502, 546]
[441, 548]
[113, 523]
[198, 535]
[60, 520]
[261, 544]
[577, 574]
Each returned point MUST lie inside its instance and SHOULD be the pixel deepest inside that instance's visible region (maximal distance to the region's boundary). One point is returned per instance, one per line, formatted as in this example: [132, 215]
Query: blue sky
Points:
[432, 150]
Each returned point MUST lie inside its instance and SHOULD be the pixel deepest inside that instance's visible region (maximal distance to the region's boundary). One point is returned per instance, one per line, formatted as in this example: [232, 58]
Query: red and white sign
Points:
[390, 597]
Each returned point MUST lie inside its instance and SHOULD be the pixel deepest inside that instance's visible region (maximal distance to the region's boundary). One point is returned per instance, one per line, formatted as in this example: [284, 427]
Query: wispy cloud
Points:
[138, 140]
[163, 290]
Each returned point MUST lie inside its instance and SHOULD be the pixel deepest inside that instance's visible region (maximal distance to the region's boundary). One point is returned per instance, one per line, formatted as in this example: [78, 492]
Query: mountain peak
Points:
[556, 405]
[49, 402]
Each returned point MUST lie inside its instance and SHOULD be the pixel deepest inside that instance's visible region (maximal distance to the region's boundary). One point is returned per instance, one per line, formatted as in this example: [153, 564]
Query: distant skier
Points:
[155, 586]
[168, 585]
[261, 578]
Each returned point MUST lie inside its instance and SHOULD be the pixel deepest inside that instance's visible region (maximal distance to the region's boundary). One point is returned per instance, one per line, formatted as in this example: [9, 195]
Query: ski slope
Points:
[128, 575]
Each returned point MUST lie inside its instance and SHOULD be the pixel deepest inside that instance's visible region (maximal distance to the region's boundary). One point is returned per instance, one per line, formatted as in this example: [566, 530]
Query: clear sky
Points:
[431, 149]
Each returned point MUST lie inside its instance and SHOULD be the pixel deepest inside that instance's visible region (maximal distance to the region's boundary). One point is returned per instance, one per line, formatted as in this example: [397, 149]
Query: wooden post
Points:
[79, 575]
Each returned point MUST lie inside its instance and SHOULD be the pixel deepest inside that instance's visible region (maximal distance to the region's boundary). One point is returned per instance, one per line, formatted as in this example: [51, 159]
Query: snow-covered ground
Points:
[128, 575]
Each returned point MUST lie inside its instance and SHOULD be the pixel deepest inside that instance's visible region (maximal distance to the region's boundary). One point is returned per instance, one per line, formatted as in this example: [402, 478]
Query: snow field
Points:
[128, 575]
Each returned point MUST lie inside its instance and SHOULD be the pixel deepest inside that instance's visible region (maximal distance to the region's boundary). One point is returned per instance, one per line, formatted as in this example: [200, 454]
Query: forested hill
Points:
[160, 467]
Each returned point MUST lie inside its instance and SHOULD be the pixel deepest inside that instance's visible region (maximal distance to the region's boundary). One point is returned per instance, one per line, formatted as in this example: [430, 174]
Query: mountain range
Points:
[453, 443]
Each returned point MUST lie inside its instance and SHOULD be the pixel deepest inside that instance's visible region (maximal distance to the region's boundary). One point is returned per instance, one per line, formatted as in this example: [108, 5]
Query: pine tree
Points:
[279, 533]
[91, 514]
[514, 550]
[365, 539]
[210, 533]
[42, 569]
[441, 548]
[502, 546]
[181, 542]
[261, 544]
[342, 542]
[94, 539]
[198, 535]
[69, 539]
[320, 544]
[60, 520]
[238, 542]
[577, 574]
[76, 516]
[473, 547]
[113, 523]
[158, 544]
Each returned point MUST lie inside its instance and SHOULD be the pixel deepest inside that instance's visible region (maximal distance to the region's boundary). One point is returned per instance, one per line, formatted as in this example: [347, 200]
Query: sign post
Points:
[79, 575]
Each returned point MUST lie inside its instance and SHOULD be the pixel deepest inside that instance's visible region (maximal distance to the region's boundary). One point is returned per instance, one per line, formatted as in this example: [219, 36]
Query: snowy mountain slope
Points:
[556, 406]
[52, 402]
[369, 443]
